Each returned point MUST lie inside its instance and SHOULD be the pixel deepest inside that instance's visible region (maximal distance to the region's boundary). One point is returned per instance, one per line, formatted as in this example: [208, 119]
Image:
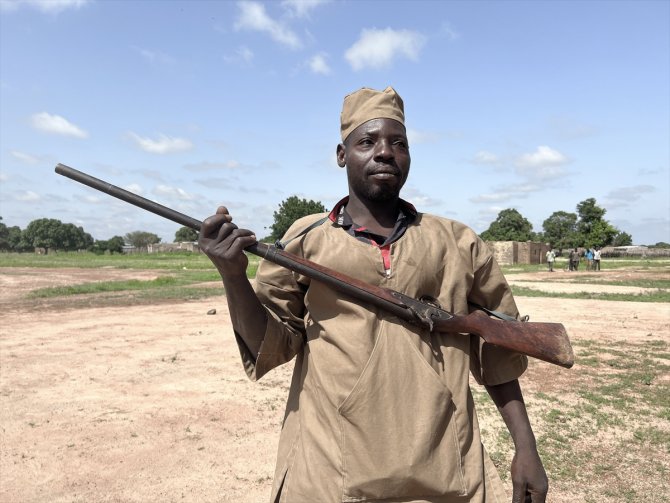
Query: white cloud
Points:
[46, 6]
[485, 157]
[212, 166]
[28, 196]
[503, 194]
[415, 137]
[254, 17]
[625, 196]
[318, 64]
[378, 48]
[241, 55]
[543, 156]
[156, 57]
[449, 32]
[24, 158]
[134, 188]
[302, 8]
[166, 190]
[57, 125]
[497, 197]
[163, 145]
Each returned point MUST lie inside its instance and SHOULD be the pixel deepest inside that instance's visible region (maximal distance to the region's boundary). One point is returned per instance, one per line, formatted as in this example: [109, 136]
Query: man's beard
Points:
[381, 193]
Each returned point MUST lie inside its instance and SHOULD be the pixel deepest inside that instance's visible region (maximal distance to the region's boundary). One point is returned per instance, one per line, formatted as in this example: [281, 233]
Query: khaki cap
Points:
[367, 104]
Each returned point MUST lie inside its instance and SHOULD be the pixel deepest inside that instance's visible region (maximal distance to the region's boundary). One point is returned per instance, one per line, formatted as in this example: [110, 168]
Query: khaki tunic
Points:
[380, 410]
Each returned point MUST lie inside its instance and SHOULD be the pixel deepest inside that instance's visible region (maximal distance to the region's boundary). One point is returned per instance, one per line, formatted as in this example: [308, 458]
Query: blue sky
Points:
[528, 105]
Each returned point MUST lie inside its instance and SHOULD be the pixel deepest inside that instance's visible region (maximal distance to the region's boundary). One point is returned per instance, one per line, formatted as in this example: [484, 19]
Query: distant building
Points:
[518, 252]
[191, 246]
[634, 251]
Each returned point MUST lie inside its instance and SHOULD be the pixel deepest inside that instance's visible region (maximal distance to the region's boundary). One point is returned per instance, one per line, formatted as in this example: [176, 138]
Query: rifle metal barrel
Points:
[128, 197]
[260, 249]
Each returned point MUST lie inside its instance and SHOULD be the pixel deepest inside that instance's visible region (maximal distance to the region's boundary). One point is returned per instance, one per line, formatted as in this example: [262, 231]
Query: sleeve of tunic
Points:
[284, 301]
[492, 365]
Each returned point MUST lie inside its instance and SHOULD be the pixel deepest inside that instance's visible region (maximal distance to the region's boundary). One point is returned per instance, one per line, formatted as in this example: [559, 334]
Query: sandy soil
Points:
[150, 402]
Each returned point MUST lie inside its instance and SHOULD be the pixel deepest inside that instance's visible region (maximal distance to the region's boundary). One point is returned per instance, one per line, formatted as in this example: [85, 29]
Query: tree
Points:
[289, 211]
[185, 234]
[14, 238]
[141, 239]
[4, 236]
[622, 239]
[113, 245]
[602, 234]
[559, 230]
[10, 237]
[509, 226]
[592, 228]
[52, 234]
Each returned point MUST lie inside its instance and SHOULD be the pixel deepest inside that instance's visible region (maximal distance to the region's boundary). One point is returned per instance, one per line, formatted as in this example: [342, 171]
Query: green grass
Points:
[180, 276]
[602, 429]
[649, 264]
[175, 260]
[655, 296]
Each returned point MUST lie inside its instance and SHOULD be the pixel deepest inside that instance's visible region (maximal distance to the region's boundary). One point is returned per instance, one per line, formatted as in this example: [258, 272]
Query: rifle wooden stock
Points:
[545, 341]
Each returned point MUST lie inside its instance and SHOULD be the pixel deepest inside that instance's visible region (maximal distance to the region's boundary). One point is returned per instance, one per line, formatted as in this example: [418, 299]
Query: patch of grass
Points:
[105, 286]
[602, 427]
[175, 261]
[656, 296]
[641, 283]
[606, 264]
[181, 278]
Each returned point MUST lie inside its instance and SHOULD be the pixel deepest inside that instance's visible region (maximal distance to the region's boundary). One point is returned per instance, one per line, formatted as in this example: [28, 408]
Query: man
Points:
[378, 410]
[551, 256]
[588, 254]
[596, 259]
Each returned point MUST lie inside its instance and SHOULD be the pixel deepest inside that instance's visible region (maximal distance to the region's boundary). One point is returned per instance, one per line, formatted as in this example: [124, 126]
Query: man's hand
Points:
[223, 242]
[529, 480]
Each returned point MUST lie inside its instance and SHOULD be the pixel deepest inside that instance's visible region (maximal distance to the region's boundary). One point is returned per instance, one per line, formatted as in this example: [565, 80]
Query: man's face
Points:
[376, 155]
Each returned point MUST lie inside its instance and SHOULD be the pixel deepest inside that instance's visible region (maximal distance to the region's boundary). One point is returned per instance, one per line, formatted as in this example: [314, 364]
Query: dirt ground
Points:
[150, 402]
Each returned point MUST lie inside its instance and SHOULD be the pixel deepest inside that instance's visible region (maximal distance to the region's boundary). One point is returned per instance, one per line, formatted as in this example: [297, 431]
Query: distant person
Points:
[551, 256]
[589, 259]
[596, 259]
[574, 260]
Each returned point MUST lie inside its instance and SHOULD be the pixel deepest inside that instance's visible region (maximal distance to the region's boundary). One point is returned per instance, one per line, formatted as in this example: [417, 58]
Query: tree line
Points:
[587, 228]
[563, 230]
[52, 234]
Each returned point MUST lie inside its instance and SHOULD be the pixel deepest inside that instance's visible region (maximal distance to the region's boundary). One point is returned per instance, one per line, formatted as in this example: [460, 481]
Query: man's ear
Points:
[340, 155]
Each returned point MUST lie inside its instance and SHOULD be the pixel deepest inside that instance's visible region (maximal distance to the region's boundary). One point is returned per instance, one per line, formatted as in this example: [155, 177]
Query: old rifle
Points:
[545, 341]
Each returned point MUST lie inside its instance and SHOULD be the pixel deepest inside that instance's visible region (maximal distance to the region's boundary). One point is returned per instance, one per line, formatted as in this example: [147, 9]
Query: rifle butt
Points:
[546, 341]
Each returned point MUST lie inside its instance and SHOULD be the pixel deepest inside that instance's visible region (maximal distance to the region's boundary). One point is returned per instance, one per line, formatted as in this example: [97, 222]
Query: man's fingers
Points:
[234, 239]
[212, 225]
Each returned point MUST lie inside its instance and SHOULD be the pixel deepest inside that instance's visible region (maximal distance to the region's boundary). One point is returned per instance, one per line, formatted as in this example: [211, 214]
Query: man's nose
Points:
[384, 150]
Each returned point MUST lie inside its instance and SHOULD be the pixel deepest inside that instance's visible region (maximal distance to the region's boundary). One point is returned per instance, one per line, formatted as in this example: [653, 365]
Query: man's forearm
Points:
[509, 401]
[528, 476]
[247, 314]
